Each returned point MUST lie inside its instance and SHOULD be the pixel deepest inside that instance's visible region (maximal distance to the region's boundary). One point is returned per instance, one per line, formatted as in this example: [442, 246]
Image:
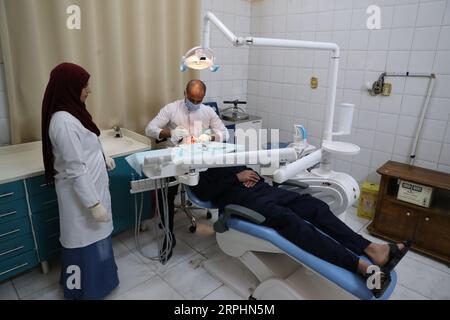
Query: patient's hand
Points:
[249, 178]
[249, 184]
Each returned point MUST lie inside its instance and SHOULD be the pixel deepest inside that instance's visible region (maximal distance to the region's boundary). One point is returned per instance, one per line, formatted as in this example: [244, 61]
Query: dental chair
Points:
[186, 206]
[284, 271]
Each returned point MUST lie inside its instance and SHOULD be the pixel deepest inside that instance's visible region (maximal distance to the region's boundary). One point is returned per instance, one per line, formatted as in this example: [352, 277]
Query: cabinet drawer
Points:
[47, 233]
[16, 247]
[17, 264]
[15, 228]
[38, 185]
[11, 191]
[396, 220]
[13, 210]
[49, 246]
[43, 202]
[48, 220]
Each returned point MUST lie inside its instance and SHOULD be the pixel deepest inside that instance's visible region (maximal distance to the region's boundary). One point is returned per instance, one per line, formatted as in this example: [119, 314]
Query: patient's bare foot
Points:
[379, 253]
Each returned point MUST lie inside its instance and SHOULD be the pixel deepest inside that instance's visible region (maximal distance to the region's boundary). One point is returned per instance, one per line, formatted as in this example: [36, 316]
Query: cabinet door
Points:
[433, 233]
[396, 221]
[123, 208]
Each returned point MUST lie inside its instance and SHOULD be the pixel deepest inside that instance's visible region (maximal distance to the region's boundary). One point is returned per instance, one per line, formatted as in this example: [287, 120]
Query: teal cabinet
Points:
[123, 203]
[17, 246]
[29, 239]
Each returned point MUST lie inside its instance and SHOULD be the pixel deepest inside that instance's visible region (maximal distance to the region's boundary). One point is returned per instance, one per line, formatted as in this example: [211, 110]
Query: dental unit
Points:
[283, 270]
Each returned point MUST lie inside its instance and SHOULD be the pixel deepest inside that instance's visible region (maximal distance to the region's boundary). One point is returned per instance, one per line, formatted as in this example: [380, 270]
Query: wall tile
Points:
[429, 150]
[384, 142]
[405, 15]
[387, 122]
[421, 62]
[431, 13]
[426, 38]
[445, 155]
[401, 39]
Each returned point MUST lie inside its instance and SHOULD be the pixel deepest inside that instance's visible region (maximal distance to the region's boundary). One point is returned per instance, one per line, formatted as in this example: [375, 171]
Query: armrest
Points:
[221, 224]
[294, 183]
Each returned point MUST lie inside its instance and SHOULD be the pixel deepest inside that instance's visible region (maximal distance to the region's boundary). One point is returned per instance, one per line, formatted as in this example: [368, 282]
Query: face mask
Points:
[191, 106]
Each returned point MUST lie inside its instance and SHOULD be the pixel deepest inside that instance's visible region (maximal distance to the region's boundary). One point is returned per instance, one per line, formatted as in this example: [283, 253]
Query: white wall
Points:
[5, 137]
[415, 37]
[230, 81]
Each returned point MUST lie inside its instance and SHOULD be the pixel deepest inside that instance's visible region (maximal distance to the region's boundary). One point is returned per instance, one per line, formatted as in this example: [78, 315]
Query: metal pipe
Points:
[422, 119]
[409, 75]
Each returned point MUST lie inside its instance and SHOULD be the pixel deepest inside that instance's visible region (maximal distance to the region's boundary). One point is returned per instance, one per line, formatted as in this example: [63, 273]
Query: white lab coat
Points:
[81, 181]
[176, 114]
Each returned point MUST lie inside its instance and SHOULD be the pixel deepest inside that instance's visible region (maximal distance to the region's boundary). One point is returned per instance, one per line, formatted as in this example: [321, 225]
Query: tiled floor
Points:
[184, 277]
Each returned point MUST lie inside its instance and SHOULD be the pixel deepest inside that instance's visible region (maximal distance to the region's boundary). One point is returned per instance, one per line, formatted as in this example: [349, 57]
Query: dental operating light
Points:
[199, 58]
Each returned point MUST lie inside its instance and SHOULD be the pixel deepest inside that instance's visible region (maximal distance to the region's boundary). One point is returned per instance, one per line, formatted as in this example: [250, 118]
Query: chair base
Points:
[186, 206]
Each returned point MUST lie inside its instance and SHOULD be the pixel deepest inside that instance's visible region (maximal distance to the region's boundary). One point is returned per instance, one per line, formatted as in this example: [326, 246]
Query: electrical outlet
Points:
[314, 82]
[387, 89]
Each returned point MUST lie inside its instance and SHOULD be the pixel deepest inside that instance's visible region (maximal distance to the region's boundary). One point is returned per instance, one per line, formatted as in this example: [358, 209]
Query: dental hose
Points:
[163, 253]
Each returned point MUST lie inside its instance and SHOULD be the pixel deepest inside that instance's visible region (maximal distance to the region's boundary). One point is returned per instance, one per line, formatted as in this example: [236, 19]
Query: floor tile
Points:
[34, 280]
[233, 273]
[211, 251]
[423, 279]
[403, 293]
[203, 238]
[429, 261]
[120, 250]
[353, 221]
[7, 291]
[153, 289]
[190, 279]
[54, 292]
[132, 272]
[181, 252]
[223, 293]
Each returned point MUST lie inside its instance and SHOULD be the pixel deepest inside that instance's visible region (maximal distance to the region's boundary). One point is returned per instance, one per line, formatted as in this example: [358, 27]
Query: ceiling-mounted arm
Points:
[211, 17]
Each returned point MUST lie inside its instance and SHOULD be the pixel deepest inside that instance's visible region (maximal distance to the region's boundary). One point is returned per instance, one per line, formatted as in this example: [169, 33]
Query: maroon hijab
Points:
[63, 93]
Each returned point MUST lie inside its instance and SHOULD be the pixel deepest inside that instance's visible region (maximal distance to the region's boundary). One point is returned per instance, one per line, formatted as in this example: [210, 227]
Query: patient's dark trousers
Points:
[289, 219]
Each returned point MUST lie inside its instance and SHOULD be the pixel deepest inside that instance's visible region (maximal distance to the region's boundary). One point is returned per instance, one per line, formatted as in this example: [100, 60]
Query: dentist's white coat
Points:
[176, 114]
[81, 181]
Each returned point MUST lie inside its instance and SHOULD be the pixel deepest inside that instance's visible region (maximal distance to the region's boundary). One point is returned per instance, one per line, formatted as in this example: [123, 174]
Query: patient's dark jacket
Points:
[222, 187]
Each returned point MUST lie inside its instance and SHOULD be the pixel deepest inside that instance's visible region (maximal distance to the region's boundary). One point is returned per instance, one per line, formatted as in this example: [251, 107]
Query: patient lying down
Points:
[297, 218]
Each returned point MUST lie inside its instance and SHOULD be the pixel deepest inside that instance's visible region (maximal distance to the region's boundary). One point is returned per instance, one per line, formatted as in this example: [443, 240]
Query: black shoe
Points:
[395, 255]
[385, 281]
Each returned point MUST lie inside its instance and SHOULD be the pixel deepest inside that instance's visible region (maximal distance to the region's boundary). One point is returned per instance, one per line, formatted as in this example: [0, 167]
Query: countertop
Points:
[251, 118]
[23, 161]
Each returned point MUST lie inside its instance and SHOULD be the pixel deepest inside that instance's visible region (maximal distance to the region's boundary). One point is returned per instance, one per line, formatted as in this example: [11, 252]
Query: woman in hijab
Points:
[76, 164]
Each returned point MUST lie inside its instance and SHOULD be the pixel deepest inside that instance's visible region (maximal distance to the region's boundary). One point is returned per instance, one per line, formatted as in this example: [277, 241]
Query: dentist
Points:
[186, 121]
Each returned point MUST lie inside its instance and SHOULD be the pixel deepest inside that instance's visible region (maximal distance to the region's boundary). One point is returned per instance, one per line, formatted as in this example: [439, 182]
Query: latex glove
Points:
[204, 138]
[189, 140]
[179, 132]
[110, 163]
[100, 213]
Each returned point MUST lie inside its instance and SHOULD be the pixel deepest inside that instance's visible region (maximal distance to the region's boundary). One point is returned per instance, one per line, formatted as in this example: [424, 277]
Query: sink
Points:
[128, 143]
[110, 145]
